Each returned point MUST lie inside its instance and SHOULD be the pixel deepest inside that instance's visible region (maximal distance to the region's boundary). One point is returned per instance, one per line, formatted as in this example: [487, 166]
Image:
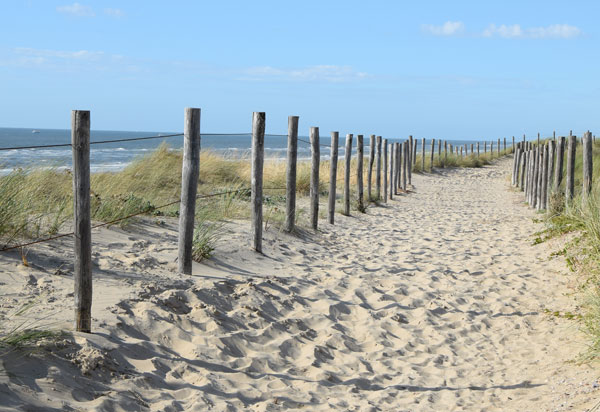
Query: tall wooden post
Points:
[472, 151]
[385, 170]
[478, 150]
[290, 175]
[315, 150]
[378, 169]
[523, 169]
[80, 142]
[370, 167]
[558, 168]
[513, 144]
[587, 164]
[504, 147]
[571, 149]
[414, 153]
[544, 179]
[256, 184]
[348, 163]
[397, 179]
[405, 163]
[423, 155]
[359, 172]
[410, 157]
[432, 152]
[190, 171]
[551, 163]
[440, 151]
[445, 152]
[392, 171]
[335, 136]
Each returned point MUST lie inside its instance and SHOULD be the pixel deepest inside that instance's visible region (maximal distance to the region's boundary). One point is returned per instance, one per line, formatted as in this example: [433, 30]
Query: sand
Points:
[436, 301]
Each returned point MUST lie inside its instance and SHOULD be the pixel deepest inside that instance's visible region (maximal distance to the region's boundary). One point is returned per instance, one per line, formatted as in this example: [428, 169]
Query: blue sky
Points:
[442, 69]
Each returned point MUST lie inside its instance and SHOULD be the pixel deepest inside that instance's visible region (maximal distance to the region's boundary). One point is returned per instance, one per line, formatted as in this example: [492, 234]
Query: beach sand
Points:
[436, 301]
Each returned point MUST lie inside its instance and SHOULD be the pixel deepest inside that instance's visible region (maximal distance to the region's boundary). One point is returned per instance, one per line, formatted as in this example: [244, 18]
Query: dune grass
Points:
[581, 218]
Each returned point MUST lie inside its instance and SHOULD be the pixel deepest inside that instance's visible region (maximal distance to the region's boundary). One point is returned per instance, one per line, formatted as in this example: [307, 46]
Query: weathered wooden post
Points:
[405, 163]
[398, 168]
[513, 144]
[524, 155]
[504, 147]
[432, 153]
[538, 177]
[527, 173]
[414, 153]
[478, 150]
[492, 149]
[440, 151]
[256, 184]
[410, 157]
[461, 151]
[378, 169]
[359, 173]
[385, 170]
[315, 150]
[587, 164]
[370, 167]
[423, 155]
[472, 152]
[290, 174]
[348, 163]
[544, 180]
[560, 154]
[570, 183]
[335, 137]
[190, 170]
[392, 171]
[514, 170]
[80, 142]
[485, 147]
[498, 147]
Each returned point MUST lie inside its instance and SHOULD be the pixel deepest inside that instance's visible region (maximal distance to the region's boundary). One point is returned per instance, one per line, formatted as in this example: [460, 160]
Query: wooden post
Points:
[414, 153]
[385, 170]
[335, 137]
[378, 169]
[587, 164]
[432, 152]
[348, 162]
[478, 150]
[461, 152]
[485, 147]
[423, 155]
[256, 191]
[405, 163]
[524, 155]
[571, 149]
[544, 179]
[370, 167]
[398, 168]
[410, 158]
[551, 156]
[527, 173]
[513, 144]
[514, 171]
[359, 172]
[190, 171]
[504, 147]
[538, 177]
[82, 222]
[440, 151]
[492, 149]
[472, 152]
[290, 175]
[315, 150]
[558, 167]
[392, 171]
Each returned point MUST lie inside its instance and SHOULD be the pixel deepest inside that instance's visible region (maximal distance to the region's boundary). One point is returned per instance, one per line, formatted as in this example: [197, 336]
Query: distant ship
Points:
[35, 131]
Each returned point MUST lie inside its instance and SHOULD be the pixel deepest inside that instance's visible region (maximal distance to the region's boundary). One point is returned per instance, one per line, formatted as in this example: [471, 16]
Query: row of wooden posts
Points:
[391, 178]
[538, 168]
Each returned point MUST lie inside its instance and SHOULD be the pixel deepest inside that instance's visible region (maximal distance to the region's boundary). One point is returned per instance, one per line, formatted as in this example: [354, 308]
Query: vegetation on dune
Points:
[581, 218]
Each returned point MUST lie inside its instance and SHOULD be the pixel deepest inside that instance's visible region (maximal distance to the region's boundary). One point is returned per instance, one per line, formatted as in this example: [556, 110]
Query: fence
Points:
[538, 168]
[394, 174]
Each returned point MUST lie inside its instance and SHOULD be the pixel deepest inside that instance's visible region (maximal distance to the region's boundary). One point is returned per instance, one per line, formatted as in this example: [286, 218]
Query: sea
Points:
[115, 156]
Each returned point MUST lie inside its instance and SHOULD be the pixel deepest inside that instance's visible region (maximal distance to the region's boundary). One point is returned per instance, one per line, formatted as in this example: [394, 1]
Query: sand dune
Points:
[433, 302]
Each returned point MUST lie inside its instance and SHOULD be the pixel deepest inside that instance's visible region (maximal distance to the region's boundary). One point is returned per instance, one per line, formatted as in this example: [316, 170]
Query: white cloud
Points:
[515, 31]
[77, 9]
[114, 12]
[327, 73]
[450, 28]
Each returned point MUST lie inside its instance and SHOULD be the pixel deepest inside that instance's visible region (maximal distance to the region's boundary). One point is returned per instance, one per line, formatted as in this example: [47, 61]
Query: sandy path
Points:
[432, 302]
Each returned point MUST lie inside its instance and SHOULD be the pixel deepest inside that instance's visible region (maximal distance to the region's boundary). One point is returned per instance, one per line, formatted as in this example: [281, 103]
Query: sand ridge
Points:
[433, 302]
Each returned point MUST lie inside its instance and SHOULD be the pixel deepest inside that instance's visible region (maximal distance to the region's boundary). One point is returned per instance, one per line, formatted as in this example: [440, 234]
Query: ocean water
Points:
[116, 156]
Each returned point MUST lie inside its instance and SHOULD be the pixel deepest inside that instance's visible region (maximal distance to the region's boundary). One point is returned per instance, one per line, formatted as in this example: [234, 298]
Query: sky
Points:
[434, 69]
